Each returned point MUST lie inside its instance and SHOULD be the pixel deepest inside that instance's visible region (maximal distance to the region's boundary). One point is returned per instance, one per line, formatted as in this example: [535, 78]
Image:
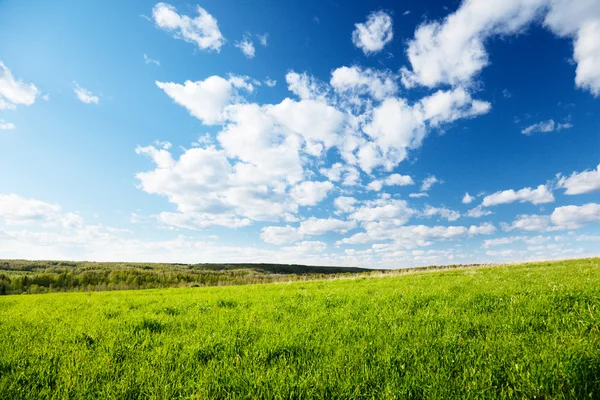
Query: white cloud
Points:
[310, 193]
[203, 183]
[529, 223]
[15, 92]
[149, 60]
[391, 180]
[246, 46]
[305, 86]
[468, 199]
[84, 95]
[546, 126]
[375, 185]
[414, 235]
[478, 212]
[453, 51]
[501, 241]
[540, 195]
[318, 226]
[207, 99]
[581, 182]
[309, 247]
[449, 106]
[199, 221]
[428, 183]
[270, 82]
[566, 217]
[348, 174]
[310, 227]
[382, 209]
[357, 81]
[280, 234]
[579, 20]
[345, 204]
[418, 195]
[574, 217]
[374, 34]
[399, 180]
[588, 238]
[6, 125]
[443, 212]
[17, 210]
[202, 30]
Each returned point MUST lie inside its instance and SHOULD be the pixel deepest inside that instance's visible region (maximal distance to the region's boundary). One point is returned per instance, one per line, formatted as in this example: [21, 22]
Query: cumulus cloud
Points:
[452, 51]
[372, 36]
[540, 195]
[468, 199]
[203, 30]
[207, 99]
[546, 126]
[581, 182]
[203, 183]
[15, 92]
[84, 95]
[565, 217]
[574, 217]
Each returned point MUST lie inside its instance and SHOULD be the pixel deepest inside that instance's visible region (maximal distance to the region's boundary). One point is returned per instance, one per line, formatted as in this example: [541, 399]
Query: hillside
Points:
[503, 332]
[23, 276]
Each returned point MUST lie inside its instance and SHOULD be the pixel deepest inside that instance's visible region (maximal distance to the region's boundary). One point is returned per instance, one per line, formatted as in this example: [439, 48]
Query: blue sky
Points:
[312, 132]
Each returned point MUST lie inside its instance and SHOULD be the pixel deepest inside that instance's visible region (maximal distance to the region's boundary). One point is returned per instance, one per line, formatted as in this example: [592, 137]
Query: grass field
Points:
[520, 331]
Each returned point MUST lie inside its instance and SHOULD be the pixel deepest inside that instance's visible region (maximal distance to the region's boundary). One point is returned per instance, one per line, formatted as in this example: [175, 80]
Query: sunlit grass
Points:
[520, 331]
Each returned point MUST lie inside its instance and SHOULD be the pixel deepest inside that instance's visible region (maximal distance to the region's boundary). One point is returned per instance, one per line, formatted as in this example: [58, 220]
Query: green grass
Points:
[521, 331]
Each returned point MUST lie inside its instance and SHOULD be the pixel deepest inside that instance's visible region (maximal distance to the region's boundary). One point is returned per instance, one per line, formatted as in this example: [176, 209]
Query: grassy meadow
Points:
[527, 331]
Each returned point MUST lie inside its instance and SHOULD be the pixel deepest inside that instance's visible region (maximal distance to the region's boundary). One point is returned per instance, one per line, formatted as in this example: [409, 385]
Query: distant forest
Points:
[22, 276]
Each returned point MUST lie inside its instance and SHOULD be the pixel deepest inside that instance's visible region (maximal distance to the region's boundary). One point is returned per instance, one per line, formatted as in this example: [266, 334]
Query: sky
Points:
[381, 134]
